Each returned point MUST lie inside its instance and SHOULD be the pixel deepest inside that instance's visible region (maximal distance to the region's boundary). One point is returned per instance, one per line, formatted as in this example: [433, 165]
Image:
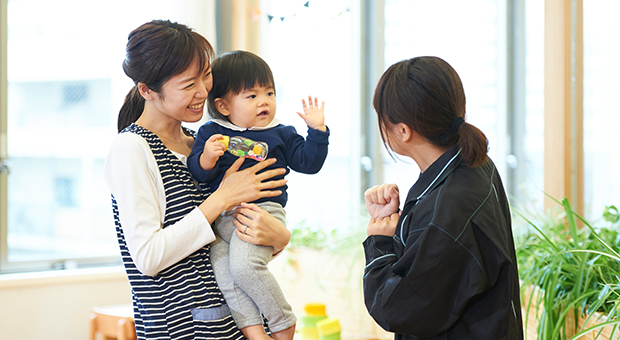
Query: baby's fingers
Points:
[215, 137]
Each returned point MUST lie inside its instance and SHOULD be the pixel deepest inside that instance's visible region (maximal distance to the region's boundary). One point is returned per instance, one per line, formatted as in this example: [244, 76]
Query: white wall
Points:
[56, 305]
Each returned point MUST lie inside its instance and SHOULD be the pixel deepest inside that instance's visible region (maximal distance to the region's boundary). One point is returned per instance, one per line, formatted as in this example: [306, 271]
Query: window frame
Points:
[3, 133]
[564, 103]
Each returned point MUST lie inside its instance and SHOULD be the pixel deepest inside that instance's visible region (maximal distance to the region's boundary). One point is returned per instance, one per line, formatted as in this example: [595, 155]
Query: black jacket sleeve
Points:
[423, 292]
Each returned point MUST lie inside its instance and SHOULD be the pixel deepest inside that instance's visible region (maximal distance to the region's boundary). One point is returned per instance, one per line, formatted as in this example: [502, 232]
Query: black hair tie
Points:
[456, 123]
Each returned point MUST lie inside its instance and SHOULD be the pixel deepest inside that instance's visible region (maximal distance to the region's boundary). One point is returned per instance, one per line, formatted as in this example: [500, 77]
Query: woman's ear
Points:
[222, 106]
[147, 93]
[403, 132]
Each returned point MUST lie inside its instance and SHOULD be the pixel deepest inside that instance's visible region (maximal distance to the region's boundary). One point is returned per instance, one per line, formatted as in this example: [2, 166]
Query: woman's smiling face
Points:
[183, 96]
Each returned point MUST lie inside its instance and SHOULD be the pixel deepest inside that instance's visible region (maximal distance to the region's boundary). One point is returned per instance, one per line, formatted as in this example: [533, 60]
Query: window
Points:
[601, 102]
[298, 43]
[471, 36]
[65, 86]
[501, 71]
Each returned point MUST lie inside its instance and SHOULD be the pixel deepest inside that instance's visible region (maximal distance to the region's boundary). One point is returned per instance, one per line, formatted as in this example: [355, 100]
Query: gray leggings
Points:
[243, 277]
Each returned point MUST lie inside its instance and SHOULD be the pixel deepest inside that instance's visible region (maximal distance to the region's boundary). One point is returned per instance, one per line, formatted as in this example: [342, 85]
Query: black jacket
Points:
[450, 271]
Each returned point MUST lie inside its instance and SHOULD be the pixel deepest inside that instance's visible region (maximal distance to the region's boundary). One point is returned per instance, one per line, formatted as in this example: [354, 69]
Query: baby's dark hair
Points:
[234, 72]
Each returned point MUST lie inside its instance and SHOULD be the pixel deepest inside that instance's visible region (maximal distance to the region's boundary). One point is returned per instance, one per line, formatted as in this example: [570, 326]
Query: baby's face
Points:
[253, 107]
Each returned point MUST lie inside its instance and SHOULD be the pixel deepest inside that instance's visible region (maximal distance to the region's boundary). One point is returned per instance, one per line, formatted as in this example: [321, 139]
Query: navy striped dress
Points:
[182, 301]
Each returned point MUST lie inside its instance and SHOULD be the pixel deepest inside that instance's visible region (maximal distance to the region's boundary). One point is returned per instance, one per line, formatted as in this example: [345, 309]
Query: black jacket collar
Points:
[434, 175]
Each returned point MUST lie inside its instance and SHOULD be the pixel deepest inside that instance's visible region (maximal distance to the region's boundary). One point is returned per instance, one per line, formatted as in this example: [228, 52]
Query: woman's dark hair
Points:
[234, 72]
[426, 94]
[157, 51]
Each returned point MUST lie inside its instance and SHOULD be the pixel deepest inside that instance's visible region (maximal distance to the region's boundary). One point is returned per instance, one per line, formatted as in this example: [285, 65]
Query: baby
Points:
[242, 103]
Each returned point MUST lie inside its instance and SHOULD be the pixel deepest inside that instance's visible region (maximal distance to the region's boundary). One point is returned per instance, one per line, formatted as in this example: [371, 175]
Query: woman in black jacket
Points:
[444, 267]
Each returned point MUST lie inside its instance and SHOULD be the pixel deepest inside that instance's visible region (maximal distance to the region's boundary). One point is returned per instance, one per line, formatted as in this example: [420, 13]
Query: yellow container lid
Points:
[309, 333]
[328, 326]
[315, 309]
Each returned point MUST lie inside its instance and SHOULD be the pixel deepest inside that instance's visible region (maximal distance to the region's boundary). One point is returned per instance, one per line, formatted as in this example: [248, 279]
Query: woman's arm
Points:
[242, 186]
[134, 180]
[424, 291]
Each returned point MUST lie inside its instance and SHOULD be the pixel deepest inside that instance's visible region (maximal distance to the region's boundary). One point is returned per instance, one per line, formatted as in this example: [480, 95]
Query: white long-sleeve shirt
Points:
[133, 178]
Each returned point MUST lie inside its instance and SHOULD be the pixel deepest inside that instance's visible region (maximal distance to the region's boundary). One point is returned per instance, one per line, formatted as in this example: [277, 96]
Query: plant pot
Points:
[532, 313]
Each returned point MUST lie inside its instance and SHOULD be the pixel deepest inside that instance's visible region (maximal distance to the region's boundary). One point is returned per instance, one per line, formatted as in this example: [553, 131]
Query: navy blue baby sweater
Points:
[285, 144]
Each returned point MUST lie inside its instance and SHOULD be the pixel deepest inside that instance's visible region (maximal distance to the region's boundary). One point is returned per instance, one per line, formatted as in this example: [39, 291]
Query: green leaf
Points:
[611, 214]
[597, 326]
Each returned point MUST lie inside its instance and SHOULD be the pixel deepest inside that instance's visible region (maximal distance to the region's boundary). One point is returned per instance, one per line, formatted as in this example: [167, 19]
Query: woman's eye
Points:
[189, 86]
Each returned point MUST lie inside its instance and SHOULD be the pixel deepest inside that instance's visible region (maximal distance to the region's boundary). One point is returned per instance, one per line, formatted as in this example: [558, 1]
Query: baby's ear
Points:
[222, 106]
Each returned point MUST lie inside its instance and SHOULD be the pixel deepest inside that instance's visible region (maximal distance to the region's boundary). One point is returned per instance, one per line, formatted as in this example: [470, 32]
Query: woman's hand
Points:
[242, 186]
[382, 200]
[383, 226]
[247, 185]
[256, 226]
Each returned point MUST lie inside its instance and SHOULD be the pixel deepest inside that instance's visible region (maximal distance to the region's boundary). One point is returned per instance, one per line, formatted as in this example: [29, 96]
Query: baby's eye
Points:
[271, 94]
[252, 96]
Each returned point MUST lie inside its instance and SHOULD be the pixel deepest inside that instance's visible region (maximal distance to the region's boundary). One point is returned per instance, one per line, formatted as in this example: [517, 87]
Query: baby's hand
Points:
[313, 114]
[214, 148]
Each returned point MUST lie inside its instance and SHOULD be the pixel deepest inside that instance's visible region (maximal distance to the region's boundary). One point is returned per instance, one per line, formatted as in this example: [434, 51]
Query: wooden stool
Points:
[113, 322]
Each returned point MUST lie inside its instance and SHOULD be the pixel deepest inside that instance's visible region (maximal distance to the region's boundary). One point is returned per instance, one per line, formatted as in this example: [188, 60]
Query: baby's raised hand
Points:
[213, 150]
[313, 114]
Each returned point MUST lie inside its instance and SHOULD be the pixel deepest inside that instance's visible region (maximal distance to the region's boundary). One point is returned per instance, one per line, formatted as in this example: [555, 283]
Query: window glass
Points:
[66, 86]
[311, 51]
[471, 36]
[601, 103]
[530, 183]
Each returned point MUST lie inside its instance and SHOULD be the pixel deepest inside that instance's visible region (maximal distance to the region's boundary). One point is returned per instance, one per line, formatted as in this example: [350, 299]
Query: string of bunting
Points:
[257, 14]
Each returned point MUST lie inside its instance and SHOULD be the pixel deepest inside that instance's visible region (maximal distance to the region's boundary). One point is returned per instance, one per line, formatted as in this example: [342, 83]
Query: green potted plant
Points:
[570, 276]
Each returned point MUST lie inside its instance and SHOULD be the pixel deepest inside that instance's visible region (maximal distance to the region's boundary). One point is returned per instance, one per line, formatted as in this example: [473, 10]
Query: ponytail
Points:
[474, 145]
[427, 95]
[131, 110]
